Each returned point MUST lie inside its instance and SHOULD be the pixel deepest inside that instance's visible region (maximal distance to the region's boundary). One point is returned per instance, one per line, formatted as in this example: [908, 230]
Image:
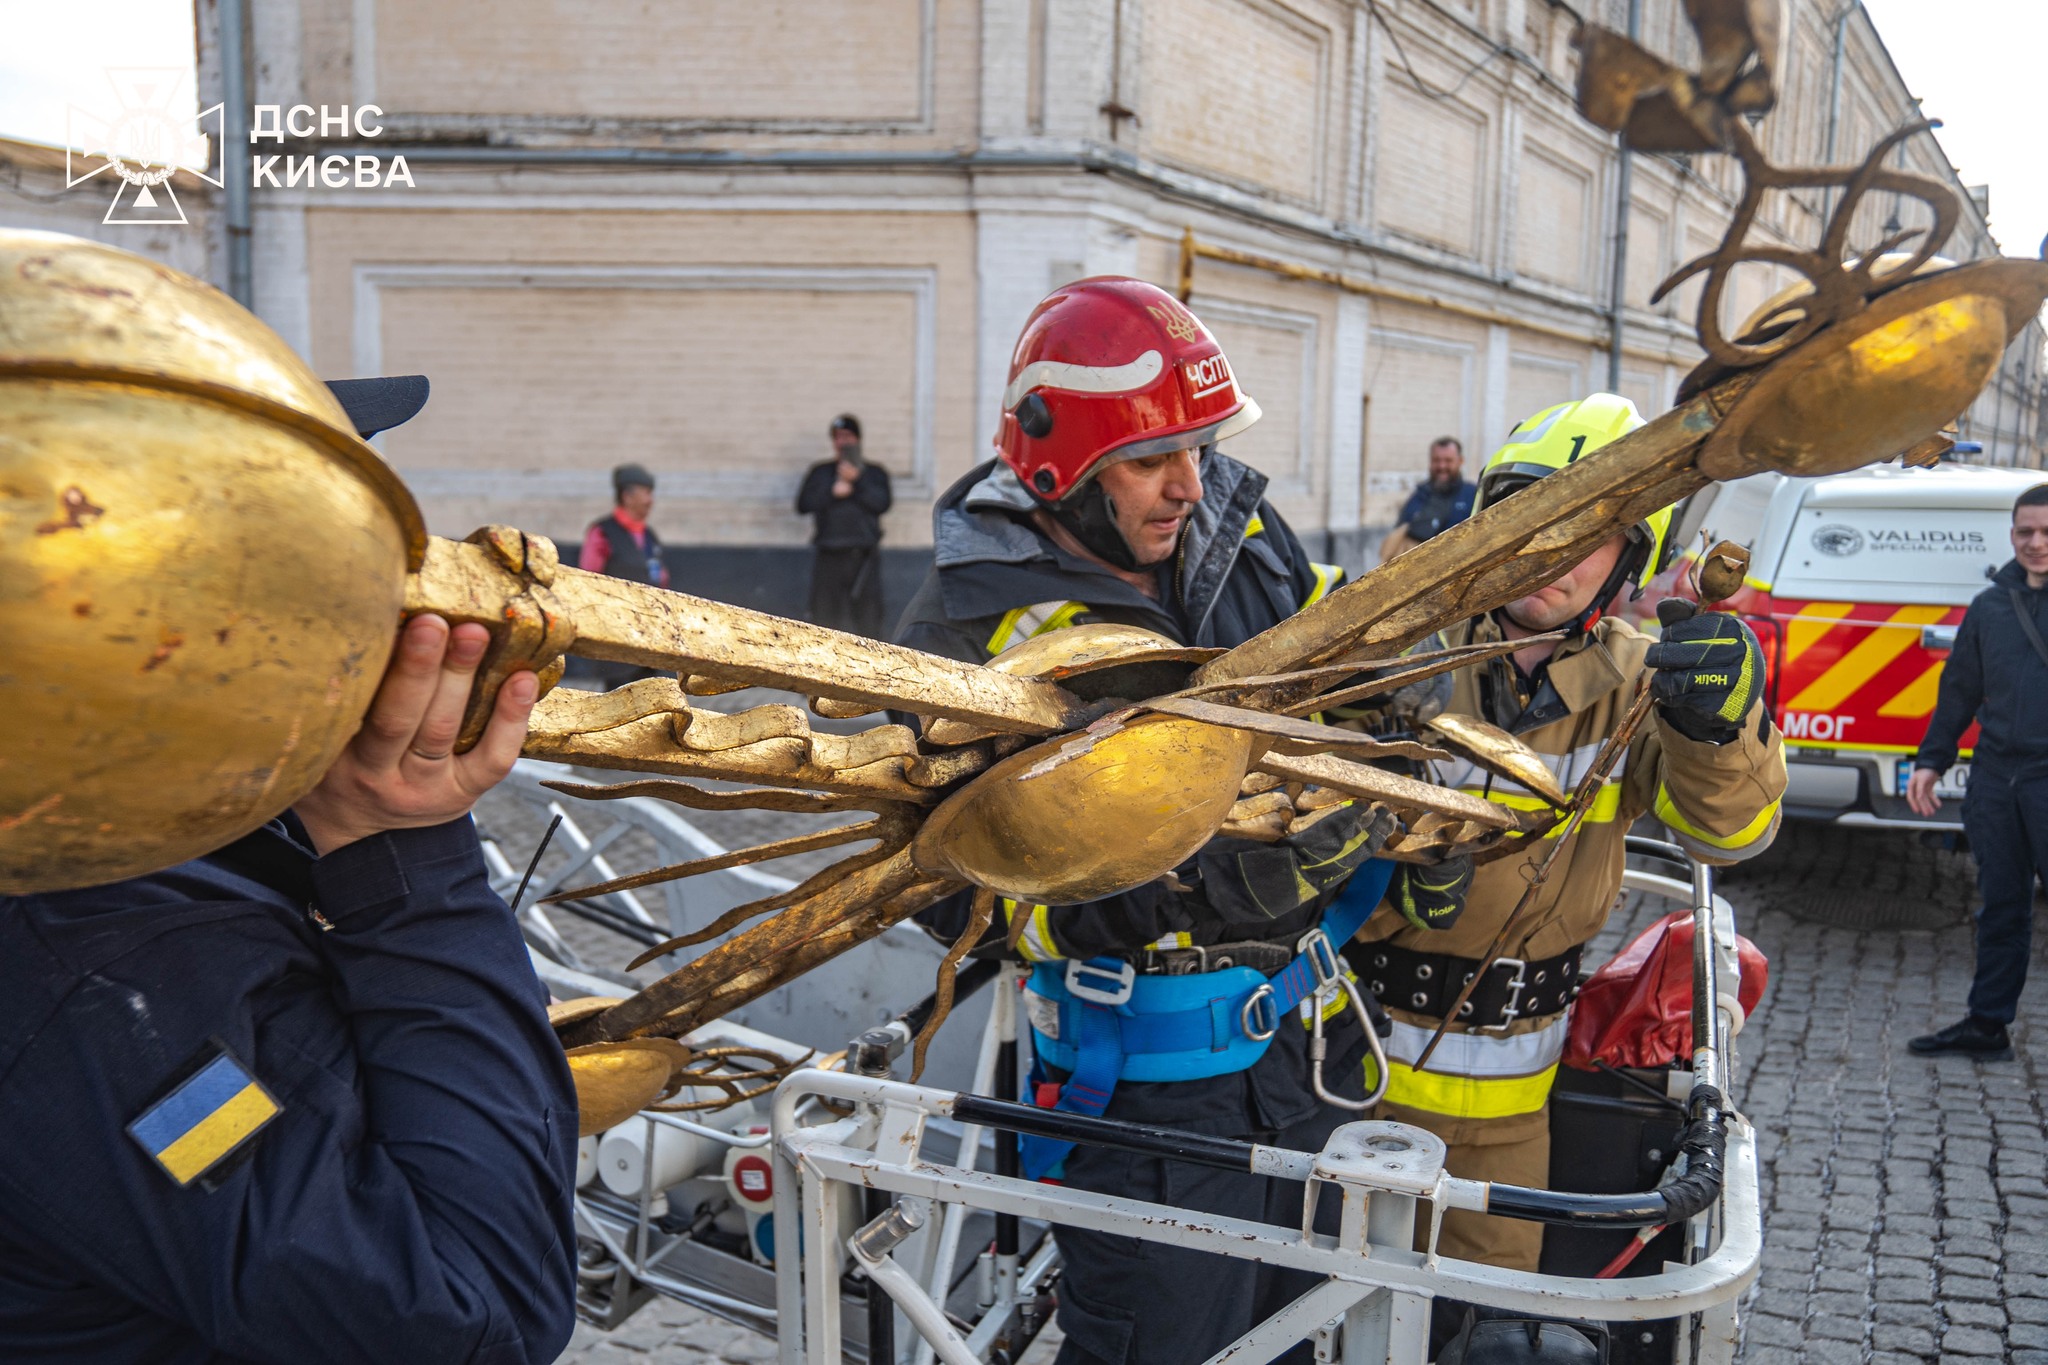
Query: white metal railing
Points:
[1373, 1304]
[1378, 1285]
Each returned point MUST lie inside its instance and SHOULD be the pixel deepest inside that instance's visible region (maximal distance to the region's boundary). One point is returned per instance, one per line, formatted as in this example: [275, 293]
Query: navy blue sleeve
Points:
[412, 1199]
[1412, 508]
[1957, 699]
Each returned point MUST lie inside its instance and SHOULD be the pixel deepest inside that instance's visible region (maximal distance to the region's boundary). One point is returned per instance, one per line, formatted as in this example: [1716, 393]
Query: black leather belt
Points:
[1263, 957]
[1427, 983]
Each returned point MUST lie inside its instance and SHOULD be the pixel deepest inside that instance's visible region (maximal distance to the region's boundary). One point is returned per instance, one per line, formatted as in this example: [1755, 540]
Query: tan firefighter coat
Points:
[1486, 1092]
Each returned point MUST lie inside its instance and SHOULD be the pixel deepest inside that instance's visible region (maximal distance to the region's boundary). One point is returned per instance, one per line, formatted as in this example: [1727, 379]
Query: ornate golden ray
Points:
[165, 453]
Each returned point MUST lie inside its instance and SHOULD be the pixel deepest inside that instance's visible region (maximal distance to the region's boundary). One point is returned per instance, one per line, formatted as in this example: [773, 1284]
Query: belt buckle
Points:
[1123, 976]
[1512, 1010]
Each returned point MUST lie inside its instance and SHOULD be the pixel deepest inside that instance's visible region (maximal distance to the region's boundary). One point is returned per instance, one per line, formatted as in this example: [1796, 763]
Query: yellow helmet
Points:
[1558, 436]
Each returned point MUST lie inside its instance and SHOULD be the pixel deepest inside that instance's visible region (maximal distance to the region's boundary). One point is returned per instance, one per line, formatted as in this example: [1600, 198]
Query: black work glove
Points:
[1708, 671]
[1432, 897]
[1246, 881]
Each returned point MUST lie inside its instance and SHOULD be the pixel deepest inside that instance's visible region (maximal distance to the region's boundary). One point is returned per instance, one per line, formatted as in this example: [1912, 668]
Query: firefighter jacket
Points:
[997, 581]
[1721, 803]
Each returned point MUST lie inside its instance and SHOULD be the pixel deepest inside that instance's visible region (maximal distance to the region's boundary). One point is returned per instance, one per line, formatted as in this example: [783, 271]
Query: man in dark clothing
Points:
[1438, 503]
[1997, 675]
[625, 546]
[1136, 519]
[847, 496]
[296, 1101]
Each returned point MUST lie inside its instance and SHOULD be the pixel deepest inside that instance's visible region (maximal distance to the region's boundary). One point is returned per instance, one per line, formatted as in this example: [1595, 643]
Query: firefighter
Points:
[1110, 502]
[1708, 763]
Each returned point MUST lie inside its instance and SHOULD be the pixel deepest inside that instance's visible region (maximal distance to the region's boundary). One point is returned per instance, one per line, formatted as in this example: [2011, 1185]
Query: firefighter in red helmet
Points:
[1111, 503]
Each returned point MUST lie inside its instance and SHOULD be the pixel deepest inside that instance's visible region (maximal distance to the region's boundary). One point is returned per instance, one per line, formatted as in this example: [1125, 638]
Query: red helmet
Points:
[1110, 368]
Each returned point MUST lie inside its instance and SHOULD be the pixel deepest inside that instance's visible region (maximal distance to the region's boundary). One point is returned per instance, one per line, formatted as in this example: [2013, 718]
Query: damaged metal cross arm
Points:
[500, 579]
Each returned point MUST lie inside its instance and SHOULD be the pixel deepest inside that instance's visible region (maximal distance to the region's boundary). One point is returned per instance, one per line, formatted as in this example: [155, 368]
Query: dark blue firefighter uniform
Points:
[996, 581]
[263, 1107]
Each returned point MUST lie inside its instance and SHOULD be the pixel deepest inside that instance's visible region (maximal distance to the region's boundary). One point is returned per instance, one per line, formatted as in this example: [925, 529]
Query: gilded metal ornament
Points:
[162, 454]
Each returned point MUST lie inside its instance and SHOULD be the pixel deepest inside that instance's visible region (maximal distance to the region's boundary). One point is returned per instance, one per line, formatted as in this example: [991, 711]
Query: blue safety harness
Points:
[1101, 1022]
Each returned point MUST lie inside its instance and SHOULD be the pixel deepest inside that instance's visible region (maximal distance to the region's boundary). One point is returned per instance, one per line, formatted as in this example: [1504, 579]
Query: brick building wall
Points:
[688, 234]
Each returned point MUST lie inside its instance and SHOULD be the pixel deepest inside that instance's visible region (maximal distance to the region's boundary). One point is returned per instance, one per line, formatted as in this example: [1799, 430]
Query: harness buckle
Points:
[1315, 945]
[1260, 1005]
[1123, 977]
[1512, 1010]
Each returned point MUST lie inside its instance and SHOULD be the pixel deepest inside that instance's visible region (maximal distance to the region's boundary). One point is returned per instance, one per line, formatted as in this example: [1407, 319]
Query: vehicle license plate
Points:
[1952, 785]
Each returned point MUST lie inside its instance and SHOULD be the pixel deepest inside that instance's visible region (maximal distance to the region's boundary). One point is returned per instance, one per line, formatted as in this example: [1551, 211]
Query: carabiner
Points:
[1318, 1047]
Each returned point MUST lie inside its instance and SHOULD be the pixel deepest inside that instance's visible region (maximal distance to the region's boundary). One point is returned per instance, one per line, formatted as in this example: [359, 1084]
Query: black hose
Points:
[1704, 1146]
[1576, 1210]
[972, 978]
[1009, 1153]
[1225, 1154]
[875, 1051]
[1643, 847]
[881, 1309]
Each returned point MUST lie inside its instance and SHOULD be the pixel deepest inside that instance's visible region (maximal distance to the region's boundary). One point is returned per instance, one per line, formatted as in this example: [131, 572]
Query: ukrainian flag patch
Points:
[205, 1119]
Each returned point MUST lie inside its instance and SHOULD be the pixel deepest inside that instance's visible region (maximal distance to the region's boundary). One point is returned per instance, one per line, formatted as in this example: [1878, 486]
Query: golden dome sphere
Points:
[1873, 384]
[201, 567]
[1111, 807]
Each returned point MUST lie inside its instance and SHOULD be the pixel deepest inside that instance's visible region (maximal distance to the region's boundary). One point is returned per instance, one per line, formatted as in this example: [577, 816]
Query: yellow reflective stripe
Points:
[1667, 811]
[1062, 618]
[1606, 807]
[1021, 623]
[1330, 1011]
[1036, 943]
[1179, 938]
[1475, 1075]
[1328, 576]
[1467, 1097]
[1254, 527]
[1737, 705]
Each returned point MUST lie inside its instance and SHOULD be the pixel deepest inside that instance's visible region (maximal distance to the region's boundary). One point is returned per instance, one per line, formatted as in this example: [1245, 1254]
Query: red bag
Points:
[1637, 1010]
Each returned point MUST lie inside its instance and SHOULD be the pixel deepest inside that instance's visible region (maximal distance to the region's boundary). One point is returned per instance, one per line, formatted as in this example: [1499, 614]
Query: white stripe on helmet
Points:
[1058, 374]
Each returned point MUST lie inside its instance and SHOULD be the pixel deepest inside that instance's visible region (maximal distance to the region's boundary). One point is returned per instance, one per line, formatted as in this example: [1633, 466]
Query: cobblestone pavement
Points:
[1906, 1199]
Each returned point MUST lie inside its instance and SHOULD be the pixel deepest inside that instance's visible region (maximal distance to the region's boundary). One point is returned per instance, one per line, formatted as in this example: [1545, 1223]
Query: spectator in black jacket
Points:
[1997, 675]
[847, 496]
[296, 1101]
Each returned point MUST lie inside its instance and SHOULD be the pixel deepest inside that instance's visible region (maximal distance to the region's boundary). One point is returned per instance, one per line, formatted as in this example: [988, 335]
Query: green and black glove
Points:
[1708, 671]
[1248, 881]
[1432, 897]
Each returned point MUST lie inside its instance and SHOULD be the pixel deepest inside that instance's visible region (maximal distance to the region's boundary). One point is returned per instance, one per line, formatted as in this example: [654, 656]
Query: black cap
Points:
[846, 421]
[375, 405]
[631, 476]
